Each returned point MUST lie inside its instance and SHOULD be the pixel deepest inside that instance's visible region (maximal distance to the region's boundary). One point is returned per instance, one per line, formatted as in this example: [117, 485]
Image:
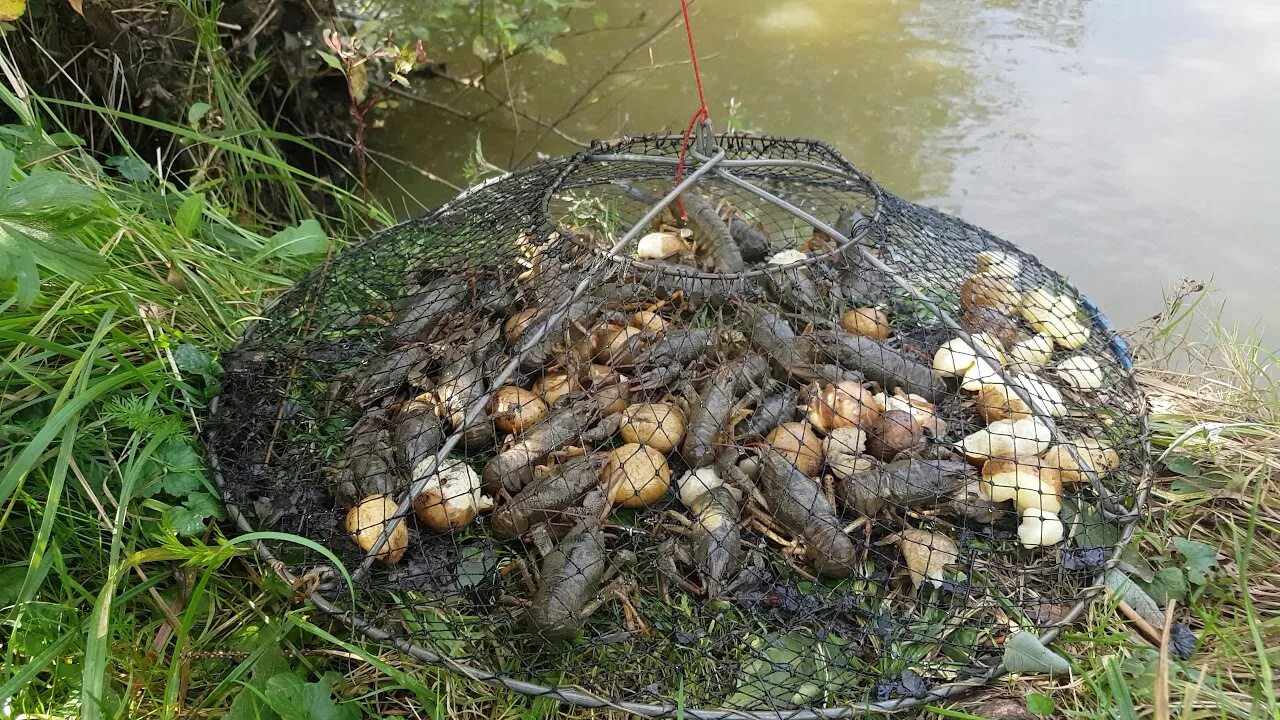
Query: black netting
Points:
[737, 463]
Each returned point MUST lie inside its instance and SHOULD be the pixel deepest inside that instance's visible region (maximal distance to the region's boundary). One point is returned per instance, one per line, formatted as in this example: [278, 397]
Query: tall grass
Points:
[117, 290]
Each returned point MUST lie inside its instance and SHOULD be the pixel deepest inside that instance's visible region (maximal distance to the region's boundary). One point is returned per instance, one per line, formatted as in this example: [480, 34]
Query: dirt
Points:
[145, 58]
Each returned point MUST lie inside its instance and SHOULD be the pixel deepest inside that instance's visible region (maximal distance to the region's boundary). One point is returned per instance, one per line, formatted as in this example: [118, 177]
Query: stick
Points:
[1160, 687]
[1148, 631]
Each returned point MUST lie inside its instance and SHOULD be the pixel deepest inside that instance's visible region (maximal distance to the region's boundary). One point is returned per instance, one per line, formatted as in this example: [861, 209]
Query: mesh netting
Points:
[812, 447]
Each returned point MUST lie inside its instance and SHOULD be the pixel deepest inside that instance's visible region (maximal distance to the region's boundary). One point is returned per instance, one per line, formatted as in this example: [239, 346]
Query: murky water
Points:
[1129, 143]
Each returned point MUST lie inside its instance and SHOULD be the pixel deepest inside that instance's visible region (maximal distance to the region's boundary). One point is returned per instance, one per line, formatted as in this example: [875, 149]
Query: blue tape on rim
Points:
[1118, 345]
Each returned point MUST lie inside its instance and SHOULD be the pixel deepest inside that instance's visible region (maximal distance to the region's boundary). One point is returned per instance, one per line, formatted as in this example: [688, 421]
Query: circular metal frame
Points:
[718, 166]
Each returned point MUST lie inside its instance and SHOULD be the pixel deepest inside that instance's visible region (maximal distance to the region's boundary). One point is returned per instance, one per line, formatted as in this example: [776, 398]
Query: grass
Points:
[121, 596]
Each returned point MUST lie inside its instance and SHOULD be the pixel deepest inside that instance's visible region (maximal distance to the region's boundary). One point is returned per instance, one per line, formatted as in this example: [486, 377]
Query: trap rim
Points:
[857, 180]
[312, 582]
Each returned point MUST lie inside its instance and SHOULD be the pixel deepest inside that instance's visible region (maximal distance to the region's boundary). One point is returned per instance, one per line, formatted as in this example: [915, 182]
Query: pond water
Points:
[1129, 143]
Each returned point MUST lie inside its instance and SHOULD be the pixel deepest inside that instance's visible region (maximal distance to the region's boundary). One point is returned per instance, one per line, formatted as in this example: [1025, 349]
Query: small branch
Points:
[1160, 688]
[1147, 629]
[473, 118]
[443, 107]
[661, 30]
[387, 156]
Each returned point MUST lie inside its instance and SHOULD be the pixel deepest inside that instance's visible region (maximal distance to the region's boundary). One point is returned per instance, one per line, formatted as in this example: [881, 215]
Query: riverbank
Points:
[122, 595]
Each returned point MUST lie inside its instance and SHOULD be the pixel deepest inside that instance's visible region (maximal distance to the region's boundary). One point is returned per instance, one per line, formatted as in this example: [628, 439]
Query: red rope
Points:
[700, 114]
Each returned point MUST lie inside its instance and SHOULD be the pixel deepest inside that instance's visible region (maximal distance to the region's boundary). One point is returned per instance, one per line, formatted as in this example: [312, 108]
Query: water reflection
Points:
[1127, 142]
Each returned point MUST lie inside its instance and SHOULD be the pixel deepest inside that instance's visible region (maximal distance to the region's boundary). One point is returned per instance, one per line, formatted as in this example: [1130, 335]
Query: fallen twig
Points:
[1160, 688]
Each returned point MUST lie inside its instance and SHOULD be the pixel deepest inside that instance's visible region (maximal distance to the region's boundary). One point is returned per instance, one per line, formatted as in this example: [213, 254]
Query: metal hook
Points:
[704, 139]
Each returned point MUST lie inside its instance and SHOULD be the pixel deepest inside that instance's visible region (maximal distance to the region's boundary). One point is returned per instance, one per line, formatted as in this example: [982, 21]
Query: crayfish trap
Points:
[750, 434]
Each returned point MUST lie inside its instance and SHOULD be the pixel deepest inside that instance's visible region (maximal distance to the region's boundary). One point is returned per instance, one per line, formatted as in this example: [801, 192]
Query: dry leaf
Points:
[77, 5]
[12, 9]
[927, 555]
[359, 82]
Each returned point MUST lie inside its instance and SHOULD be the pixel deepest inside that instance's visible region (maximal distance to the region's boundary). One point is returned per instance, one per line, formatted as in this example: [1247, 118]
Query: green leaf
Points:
[179, 484]
[204, 504]
[553, 55]
[331, 60]
[1209, 482]
[1201, 558]
[10, 583]
[475, 563]
[294, 699]
[1167, 584]
[306, 238]
[1095, 532]
[6, 166]
[249, 704]
[792, 670]
[1182, 465]
[40, 216]
[28, 277]
[66, 140]
[1136, 597]
[197, 111]
[130, 167]
[358, 81]
[178, 455]
[1135, 563]
[188, 215]
[184, 521]
[183, 470]
[192, 359]
[1023, 653]
[1040, 704]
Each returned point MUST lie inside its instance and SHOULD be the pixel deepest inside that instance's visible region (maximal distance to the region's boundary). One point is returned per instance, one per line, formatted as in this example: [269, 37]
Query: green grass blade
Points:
[304, 542]
[427, 696]
[98, 644]
[31, 454]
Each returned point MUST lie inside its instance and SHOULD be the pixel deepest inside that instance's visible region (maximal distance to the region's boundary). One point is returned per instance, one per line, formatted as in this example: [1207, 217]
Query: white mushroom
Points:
[999, 264]
[953, 358]
[366, 521]
[1027, 485]
[956, 357]
[1056, 316]
[922, 411]
[1040, 528]
[1008, 439]
[660, 245]
[1042, 393]
[1082, 372]
[843, 449]
[988, 290]
[1032, 353]
[980, 372]
[1099, 456]
[927, 555]
[695, 484]
[998, 401]
[786, 257]
[451, 498]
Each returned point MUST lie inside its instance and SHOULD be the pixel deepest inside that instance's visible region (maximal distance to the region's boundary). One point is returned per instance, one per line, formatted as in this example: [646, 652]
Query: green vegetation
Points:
[121, 596]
